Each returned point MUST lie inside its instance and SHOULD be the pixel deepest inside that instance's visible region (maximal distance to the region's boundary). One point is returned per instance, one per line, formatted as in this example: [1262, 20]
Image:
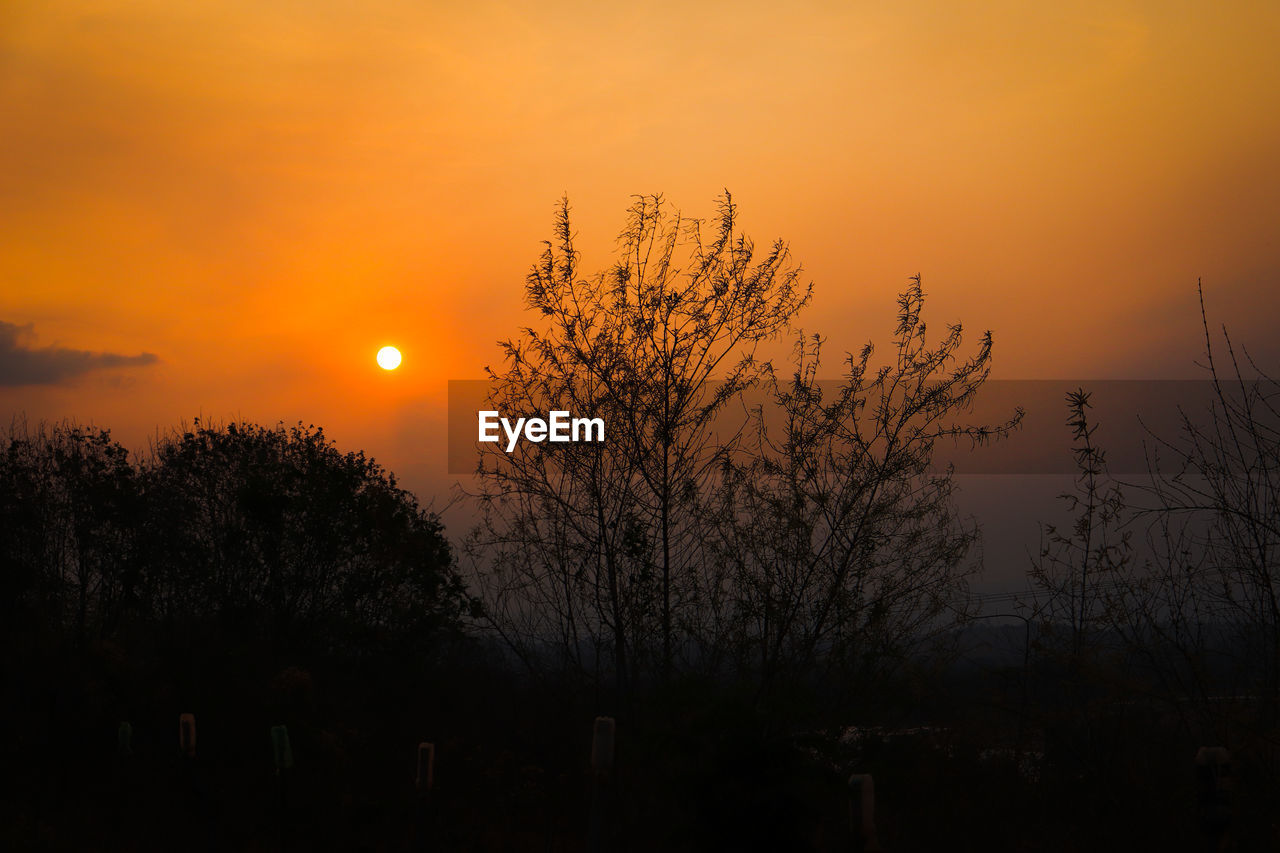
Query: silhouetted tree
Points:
[1211, 591]
[599, 548]
[1081, 576]
[236, 542]
[275, 532]
[1079, 570]
[1194, 614]
[69, 502]
[839, 543]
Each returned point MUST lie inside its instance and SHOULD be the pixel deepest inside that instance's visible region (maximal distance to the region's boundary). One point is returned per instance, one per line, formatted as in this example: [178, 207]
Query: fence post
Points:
[424, 808]
[603, 735]
[282, 752]
[862, 813]
[187, 734]
[124, 740]
[1214, 785]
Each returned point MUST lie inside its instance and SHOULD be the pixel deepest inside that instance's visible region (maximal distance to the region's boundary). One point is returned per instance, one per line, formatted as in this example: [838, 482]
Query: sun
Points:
[388, 358]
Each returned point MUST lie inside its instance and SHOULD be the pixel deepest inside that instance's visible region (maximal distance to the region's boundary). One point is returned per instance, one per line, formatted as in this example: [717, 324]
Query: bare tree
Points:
[841, 541]
[1198, 613]
[1213, 503]
[598, 547]
[1080, 569]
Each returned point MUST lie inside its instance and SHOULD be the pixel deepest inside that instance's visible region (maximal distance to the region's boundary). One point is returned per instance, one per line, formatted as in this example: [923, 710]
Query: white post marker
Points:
[602, 739]
[187, 734]
[281, 748]
[862, 812]
[426, 767]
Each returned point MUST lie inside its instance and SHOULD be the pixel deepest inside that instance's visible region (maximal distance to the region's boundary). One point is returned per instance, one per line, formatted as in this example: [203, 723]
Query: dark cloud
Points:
[21, 364]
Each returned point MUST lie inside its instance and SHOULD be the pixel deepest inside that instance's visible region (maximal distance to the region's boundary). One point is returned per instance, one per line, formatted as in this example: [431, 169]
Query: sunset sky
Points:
[259, 195]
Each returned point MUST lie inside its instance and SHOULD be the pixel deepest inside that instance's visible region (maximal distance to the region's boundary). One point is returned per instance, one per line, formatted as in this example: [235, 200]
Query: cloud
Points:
[21, 364]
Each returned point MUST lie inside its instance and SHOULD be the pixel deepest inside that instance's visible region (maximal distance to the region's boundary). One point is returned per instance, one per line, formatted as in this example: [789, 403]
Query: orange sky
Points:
[263, 193]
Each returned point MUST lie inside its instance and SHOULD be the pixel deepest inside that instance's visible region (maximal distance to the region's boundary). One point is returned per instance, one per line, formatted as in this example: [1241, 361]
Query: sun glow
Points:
[388, 358]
